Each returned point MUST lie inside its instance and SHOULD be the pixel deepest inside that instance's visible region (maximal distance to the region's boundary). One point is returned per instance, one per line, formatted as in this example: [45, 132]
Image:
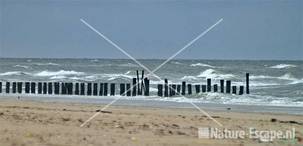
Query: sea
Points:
[272, 83]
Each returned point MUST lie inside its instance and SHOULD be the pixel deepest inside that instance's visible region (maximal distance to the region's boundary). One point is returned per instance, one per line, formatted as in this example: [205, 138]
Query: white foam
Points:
[10, 73]
[22, 66]
[287, 76]
[57, 73]
[281, 66]
[211, 73]
[58, 77]
[202, 64]
[47, 64]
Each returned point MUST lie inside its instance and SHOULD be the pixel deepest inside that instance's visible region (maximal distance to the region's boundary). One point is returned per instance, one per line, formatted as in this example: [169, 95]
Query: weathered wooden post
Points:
[77, 91]
[128, 90]
[19, 86]
[165, 88]
[228, 86]
[122, 89]
[57, 88]
[247, 83]
[170, 87]
[14, 90]
[7, 89]
[95, 89]
[160, 90]
[105, 89]
[222, 86]
[44, 88]
[174, 86]
[0, 87]
[183, 88]
[33, 87]
[50, 88]
[234, 89]
[39, 88]
[189, 89]
[89, 89]
[63, 88]
[134, 93]
[178, 89]
[27, 87]
[146, 85]
[138, 81]
[82, 88]
[215, 87]
[203, 88]
[241, 90]
[101, 89]
[197, 87]
[112, 89]
[208, 85]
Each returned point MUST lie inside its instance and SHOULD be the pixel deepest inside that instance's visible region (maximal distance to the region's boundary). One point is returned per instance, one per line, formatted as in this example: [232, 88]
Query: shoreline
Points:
[156, 103]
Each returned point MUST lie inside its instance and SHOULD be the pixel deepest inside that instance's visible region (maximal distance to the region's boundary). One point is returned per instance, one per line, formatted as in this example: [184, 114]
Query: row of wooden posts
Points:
[168, 90]
[139, 86]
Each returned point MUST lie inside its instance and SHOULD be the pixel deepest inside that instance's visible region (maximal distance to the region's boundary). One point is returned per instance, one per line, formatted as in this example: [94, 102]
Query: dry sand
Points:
[32, 123]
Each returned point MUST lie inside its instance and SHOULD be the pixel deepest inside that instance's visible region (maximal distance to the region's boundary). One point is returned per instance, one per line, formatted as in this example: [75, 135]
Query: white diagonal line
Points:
[150, 72]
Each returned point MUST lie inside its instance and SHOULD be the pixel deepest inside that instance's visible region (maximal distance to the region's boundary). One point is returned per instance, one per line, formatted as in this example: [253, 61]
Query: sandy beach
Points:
[33, 123]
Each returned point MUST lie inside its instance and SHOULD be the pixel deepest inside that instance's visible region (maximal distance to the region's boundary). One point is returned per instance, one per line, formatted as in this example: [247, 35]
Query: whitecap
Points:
[211, 73]
[10, 73]
[22, 66]
[58, 77]
[202, 64]
[190, 78]
[281, 66]
[47, 64]
[57, 73]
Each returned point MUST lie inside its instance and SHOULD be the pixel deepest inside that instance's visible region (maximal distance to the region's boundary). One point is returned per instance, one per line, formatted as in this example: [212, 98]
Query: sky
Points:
[150, 29]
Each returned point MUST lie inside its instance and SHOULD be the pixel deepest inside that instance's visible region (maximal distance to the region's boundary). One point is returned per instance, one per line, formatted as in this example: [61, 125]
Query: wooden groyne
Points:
[137, 87]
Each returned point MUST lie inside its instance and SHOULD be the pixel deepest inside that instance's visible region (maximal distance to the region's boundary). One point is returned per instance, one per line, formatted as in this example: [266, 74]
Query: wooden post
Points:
[27, 87]
[146, 87]
[241, 90]
[105, 89]
[183, 88]
[134, 93]
[208, 85]
[33, 87]
[95, 89]
[160, 90]
[197, 87]
[128, 90]
[7, 89]
[215, 87]
[222, 86]
[14, 90]
[82, 88]
[89, 89]
[19, 86]
[112, 89]
[69, 88]
[165, 88]
[170, 87]
[122, 89]
[138, 81]
[234, 89]
[63, 88]
[178, 89]
[101, 89]
[142, 83]
[0, 87]
[39, 88]
[56, 88]
[228, 86]
[50, 88]
[189, 89]
[247, 83]
[174, 86]
[77, 91]
[203, 88]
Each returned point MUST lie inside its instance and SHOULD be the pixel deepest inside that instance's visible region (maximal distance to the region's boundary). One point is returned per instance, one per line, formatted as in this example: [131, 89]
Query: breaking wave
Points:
[57, 73]
[22, 66]
[10, 73]
[281, 66]
[211, 73]
[202, 65]
[47, 64]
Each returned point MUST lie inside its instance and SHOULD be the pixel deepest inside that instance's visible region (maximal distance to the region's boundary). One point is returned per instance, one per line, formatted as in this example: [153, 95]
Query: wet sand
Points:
[33, 123]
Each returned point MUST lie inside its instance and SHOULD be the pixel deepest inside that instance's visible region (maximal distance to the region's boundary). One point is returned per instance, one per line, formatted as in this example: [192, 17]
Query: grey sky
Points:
[252, 29]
